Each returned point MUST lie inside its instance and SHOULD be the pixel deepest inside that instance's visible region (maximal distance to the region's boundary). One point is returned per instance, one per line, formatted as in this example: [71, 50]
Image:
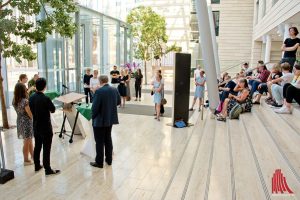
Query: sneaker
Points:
[276, 105]
[268, 99]
[191, 109]
[283, 110]
[52, 172]
[270, 102]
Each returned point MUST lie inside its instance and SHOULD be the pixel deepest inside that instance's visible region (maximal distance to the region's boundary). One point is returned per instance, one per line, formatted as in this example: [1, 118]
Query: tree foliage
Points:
[21, 27]
[15, 24]
[148, 30]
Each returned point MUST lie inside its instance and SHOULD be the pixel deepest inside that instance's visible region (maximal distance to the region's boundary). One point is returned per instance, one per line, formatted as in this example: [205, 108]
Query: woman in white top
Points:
[277, 85]
[94, 82]
[291, 91]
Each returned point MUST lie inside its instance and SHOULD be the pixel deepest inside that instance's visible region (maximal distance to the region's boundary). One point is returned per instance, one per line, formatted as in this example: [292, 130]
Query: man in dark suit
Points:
[104, 115]
[41, 106]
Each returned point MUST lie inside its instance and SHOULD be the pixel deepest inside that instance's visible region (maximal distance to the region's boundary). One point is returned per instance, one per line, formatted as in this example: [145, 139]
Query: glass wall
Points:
[99, 43]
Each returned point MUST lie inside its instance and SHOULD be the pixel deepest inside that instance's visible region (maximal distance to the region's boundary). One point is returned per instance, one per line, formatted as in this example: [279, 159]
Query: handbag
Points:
[236, 111]
[152, 93]
[163, 101]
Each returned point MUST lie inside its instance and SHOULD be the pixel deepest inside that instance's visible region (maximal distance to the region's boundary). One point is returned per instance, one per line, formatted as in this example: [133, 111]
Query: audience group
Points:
[281, 83]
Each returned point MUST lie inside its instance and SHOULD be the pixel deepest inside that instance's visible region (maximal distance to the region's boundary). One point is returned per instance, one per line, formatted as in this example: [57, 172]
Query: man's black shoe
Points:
[94, 164]
[107, 162]
[38, 168]
[52, 172]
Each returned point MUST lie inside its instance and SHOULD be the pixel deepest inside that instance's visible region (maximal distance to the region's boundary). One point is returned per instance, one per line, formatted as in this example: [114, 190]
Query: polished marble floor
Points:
[210, 160]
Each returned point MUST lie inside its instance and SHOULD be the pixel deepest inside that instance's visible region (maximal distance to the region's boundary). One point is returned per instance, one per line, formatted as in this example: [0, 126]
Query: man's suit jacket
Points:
[104, 108]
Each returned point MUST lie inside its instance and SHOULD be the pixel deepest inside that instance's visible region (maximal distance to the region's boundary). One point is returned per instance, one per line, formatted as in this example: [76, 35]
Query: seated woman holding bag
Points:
[243, 98]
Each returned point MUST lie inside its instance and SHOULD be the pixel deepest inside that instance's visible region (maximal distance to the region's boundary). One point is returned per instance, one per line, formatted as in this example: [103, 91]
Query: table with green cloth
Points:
[88, 148]
[85, 110]
[50, 93]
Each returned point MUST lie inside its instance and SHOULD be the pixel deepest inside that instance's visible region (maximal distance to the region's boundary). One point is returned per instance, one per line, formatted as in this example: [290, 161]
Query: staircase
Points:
[238, 159]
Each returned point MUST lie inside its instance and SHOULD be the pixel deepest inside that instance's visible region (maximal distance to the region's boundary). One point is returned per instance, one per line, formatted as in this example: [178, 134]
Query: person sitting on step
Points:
[291, 91]
[265, 87]
[277, 86]
[226, 90]
[243, 97]
[262, 77]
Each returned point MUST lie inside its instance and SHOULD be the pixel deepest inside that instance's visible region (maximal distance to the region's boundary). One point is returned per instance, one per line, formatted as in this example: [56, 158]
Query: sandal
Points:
[222, 119]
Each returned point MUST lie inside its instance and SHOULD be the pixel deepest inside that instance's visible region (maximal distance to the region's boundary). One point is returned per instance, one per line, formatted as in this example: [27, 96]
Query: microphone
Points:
[64, 86]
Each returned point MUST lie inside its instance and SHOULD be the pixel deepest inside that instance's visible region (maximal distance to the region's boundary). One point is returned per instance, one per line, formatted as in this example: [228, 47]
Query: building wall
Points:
[235, 32]
[270, 17]
[275, 15]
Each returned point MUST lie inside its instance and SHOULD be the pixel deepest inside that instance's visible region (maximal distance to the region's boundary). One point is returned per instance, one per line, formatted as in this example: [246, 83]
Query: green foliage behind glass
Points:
[58, 19]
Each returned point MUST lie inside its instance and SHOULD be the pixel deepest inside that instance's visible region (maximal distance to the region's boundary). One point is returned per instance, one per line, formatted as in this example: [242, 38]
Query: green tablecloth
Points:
[85, 110]
[52, 94]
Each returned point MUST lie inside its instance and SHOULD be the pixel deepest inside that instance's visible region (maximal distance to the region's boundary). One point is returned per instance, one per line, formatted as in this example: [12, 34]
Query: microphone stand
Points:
[64, 91]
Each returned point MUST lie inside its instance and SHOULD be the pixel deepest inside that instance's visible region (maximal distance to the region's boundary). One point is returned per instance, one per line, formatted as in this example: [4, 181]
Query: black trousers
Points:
[290, 93]
[103, 140]
[45, 141]
[87, 92]
[138, 91]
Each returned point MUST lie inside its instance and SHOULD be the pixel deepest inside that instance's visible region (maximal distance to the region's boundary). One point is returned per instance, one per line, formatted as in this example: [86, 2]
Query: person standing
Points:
[127, 83]
[157, 90]
[24, 79]
[104, 116]
[41, 106]
[31, 83]
[24, 121]
[122, 88]
[94, 82]
[138, 84]
[114, 75]
[290, 46]
[86, 85]
[199, 91]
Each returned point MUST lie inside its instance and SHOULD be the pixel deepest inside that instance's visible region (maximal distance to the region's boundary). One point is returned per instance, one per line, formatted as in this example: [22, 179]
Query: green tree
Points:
[161, 49]
[12, 26]
[148, 30]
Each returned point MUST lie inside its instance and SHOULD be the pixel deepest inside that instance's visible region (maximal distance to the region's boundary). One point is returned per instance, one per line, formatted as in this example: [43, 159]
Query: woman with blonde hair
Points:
[157, 94]
[24, 121]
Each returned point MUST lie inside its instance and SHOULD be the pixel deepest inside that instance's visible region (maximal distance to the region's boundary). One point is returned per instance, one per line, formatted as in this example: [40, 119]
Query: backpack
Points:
[180, 124]
[235, 111]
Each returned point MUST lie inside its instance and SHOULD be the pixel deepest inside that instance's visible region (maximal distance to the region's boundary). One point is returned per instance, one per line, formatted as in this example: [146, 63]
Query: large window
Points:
[215, 1]
[216, 15]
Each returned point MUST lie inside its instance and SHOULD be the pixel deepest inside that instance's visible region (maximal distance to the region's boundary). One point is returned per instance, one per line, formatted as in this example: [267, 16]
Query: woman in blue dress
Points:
[157, 89]
[200, 80]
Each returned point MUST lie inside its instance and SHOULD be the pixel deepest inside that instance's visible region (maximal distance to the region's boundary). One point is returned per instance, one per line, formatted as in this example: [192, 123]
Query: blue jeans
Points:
[254, 85]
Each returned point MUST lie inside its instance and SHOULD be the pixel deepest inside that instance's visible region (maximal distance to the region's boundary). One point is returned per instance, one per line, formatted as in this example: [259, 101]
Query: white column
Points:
[268, 49]
[286, 31]
[214, 41]
[207, 52]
